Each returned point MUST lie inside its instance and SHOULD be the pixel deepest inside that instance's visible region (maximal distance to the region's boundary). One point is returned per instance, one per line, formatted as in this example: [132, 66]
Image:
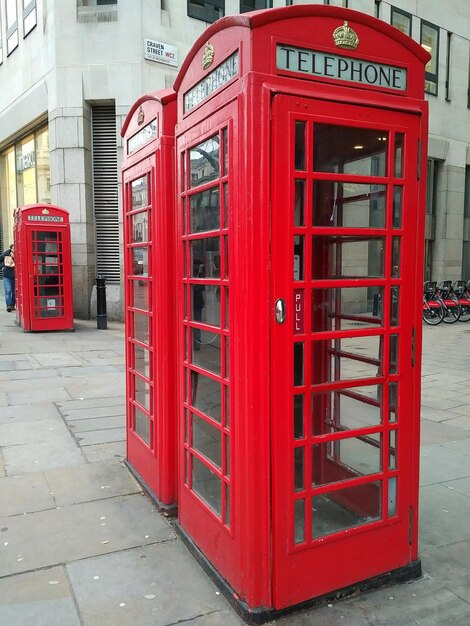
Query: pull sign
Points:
[299, 311]
[280, 310]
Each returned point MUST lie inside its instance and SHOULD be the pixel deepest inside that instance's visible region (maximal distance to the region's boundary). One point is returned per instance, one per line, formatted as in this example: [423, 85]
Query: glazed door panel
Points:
[343, 249]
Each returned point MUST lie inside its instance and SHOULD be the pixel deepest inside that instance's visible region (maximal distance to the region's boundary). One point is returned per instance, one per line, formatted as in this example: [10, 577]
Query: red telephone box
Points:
[149, 235]
[300, 143]
[43, 269]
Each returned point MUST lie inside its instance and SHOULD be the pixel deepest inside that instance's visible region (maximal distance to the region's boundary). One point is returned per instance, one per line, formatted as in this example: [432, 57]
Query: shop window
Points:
[30, 17]
[448, 65]
[206, 10]
[401, 20]
[12, 26]
[430, 42]
[255, 5]
[97, 10]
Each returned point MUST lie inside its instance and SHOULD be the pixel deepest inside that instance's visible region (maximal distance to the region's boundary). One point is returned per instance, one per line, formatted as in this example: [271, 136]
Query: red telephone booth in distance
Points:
[148, 203]
[43, 268]
[300, 144]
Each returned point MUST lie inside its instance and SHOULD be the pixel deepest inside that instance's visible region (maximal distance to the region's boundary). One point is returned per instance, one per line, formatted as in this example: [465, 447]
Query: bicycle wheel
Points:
[452, 313]
[465, 315]
[432, 315]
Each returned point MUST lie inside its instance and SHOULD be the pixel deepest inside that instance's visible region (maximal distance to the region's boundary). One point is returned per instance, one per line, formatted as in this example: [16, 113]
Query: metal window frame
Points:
[202, 14]
[29, 7]
[268, 4]
[396, 11]
[431, 77]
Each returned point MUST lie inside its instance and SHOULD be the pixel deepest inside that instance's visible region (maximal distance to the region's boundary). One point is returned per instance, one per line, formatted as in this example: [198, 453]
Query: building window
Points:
[431, 199]
[430, 42]
[206, 10]
[401, 20]
[448, 65]
[12, 26]
[30, 17]
[289, 3]
[97, 11]
[255, 5]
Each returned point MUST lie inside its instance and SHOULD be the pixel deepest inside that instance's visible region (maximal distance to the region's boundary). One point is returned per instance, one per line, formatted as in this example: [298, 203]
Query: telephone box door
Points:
[345, 265]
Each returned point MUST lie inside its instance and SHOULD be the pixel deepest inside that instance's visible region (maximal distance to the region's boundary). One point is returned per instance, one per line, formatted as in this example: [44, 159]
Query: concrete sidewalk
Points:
[81, 545]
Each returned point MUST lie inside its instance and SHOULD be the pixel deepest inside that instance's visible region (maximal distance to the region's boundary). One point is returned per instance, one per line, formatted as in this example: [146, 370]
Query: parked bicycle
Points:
[462, 291]
[433, 309]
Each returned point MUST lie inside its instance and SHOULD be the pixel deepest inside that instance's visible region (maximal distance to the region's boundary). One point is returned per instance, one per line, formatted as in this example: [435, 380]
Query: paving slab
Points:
[33, 431]
[438, 466]
[32, 396]
[74, 415]
[449, 565]
[57, 359]
[93, 481]
[81, 404]
[163, 587]
[104, 451]
[108, 435]
[97, 423]
[2, 465]
[38, 599]
[38, 457]
[444, 515]
[25, 494]
[75, 532]
[26, 412]
[435, 432]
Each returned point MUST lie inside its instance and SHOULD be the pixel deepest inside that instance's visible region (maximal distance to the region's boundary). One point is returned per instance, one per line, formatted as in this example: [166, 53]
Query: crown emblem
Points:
[208, 56]
[45, 211]
[140, 116]
[345, 37]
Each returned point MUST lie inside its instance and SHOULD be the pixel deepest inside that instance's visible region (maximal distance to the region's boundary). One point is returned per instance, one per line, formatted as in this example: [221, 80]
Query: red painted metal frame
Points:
[246, 554]
[43, 276]
[153, 461]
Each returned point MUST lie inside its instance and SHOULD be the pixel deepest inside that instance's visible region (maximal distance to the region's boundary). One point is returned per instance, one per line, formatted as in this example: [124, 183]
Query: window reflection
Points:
[205, 210]
[348, 205]
[346, 308]
[139, 193]
[140, 227]
[347, 358]
[204, 162]
[348, 150]
[341, 256]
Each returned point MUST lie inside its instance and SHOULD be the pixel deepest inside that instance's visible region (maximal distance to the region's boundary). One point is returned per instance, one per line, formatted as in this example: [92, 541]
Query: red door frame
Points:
[149, 141]
[324, 555]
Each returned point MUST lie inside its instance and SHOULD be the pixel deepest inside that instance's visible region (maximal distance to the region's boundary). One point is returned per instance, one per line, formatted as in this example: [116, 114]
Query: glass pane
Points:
[142, 425]
[227, 357]
[346, 150]
[300, 146]
[346, 458]
[393, 402]
[399, 144]
[392, 450]
[227, 455]
[207, 485]
[298, 416]
[204, 162]
[298, 469]
[227, 407]
[140, 227]
[140, 290]
[227, 505]
[299, 203]
[205, 210]
[141, 360]
[206, 395]
[203, 253]
[347, 307]
[348, 205]
[207, 440]
[206, 304]
[393, 368]
[206, 350]
[394, 305]
[142, 392]
[299, 521]
[346, 409]
[397, 206]
[299, 257]
[338, 256]
[139, 193]
[346, 508]
[225, 151]
[141, 328]
[298, 364]
[396, 244]
[226, 205]
[392, 496]
[140, 262]
[346, 359]
[227, 310]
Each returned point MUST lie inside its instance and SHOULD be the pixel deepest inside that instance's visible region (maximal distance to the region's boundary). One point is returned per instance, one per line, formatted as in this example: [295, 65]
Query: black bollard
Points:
[101, 313]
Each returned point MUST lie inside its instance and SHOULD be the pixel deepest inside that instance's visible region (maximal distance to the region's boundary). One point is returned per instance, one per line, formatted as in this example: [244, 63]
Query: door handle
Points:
[280, 310]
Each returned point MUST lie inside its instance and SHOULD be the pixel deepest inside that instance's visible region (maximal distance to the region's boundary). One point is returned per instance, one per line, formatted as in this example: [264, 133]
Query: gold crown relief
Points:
[208, 56]
[45, 212]
[140, 116]
[345, 37]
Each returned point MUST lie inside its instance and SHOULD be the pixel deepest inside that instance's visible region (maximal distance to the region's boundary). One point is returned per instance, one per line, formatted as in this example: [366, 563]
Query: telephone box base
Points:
[170, 510]
[264, 614]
